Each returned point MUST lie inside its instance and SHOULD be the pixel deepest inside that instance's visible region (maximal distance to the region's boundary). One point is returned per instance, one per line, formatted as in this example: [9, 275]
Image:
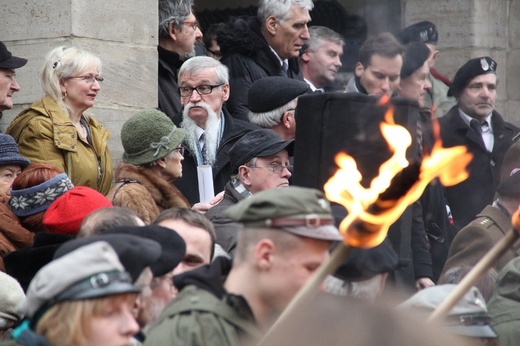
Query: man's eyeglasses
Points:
[194, 24]
[90, 79]
[204, 89]
[275, 167]
[181, 150]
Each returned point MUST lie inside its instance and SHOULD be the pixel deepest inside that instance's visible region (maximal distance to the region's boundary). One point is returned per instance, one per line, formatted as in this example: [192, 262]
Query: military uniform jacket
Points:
[469, 197]
[197, 317]
[474, 241]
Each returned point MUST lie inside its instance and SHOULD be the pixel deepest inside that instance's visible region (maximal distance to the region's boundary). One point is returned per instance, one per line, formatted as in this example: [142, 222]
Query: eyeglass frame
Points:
[89, 79]
[274, 166]
[211, 86]
[193, 23]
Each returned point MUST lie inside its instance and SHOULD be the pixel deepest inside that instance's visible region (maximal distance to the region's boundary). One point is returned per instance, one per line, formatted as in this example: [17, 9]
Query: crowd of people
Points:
[137, 254]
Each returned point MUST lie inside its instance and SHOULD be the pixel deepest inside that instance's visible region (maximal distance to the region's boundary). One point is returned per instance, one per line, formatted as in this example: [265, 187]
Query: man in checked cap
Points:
[286, 236]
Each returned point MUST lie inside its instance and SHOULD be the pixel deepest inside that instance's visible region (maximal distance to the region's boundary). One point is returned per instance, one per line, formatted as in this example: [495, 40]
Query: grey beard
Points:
[212, 131]
[189, 54]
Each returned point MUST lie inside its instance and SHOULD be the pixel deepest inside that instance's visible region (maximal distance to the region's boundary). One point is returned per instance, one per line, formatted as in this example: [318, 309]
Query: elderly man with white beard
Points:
[210, 130]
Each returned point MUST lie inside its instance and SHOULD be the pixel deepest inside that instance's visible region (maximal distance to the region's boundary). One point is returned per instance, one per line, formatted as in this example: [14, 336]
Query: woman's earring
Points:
[64, 95]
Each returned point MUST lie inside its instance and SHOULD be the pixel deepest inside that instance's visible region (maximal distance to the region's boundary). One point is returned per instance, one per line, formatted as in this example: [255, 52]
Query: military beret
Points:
[415, 56]
[510, 186]
[363, 264]
[90, 271]
[257, 143]
[134, 252]
[468, 71]
[301, 211]
[172, 244]
[269, 93]
[425, 32]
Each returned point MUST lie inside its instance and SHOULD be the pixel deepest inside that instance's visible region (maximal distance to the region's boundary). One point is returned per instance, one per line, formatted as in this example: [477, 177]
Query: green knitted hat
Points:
[148, 136]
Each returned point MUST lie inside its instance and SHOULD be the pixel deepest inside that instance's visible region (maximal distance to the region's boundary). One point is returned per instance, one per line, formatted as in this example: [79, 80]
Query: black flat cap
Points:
[172, 244]
[415, 56]
[468, 71]
[425, 32]
[269, 93]
[510, 186]
[257, 143]
[135, 253]
[363, 264]
[8, 61]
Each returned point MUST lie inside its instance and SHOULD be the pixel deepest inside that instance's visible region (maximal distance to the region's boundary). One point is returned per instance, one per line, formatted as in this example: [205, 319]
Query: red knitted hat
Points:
[67, 212]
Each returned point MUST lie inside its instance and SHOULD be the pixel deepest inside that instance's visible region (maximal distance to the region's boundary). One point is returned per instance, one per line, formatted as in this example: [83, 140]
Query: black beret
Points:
[257, 143]
[510, 186]
[468, 71]
[173, 246]
[363, 264]
[135, 253]
[425, 32]
[269, 93]
[415, 56]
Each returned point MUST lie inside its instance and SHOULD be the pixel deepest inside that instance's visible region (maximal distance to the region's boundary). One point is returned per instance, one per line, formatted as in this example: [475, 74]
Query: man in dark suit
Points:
[210, 130]
[475, 123]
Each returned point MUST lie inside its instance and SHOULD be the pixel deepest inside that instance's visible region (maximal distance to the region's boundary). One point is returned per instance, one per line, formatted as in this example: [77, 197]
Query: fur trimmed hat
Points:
[149, 135]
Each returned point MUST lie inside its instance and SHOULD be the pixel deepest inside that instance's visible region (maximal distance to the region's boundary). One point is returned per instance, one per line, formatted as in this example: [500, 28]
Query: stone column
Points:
[122, 33]
[469, 29]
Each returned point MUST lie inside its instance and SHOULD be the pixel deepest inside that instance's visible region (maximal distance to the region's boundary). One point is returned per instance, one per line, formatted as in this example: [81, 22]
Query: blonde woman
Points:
[58, 128]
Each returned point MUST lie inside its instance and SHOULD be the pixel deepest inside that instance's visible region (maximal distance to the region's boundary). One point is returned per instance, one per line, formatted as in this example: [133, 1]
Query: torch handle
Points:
[310, 289]
[474, 274]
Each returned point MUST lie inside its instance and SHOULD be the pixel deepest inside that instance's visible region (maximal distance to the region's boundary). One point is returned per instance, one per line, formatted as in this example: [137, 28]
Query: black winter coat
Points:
[234, 129]
[169, 97]
[248, 56]
[468, 198]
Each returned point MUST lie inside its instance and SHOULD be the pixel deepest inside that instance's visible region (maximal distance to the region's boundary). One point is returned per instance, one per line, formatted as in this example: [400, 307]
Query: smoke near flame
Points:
[370, 216]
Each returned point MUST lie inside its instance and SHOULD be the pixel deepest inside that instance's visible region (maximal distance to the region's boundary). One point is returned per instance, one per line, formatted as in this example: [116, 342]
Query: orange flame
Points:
[364, 229]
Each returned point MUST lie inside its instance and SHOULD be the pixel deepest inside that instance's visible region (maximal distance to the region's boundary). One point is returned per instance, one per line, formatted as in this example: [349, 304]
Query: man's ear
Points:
[359, 69]
[271, 25]
[172, 31]
[264, 251]
[305, 56]
[287, 119]
[243, 174]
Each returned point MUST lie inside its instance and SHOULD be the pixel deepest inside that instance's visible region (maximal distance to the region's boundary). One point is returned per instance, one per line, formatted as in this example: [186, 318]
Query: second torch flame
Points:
[365, 229]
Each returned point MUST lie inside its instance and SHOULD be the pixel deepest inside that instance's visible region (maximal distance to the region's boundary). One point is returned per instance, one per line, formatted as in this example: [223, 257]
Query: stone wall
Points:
[469, 29]
[122, 34]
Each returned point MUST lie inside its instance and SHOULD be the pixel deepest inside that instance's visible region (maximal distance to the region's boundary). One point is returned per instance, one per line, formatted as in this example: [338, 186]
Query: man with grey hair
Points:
[272, 104]
[265, 45]
[210, 129]
[320, 58]
[178, 32]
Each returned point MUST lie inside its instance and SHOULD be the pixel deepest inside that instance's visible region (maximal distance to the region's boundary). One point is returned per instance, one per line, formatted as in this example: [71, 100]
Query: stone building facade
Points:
[124, 35]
